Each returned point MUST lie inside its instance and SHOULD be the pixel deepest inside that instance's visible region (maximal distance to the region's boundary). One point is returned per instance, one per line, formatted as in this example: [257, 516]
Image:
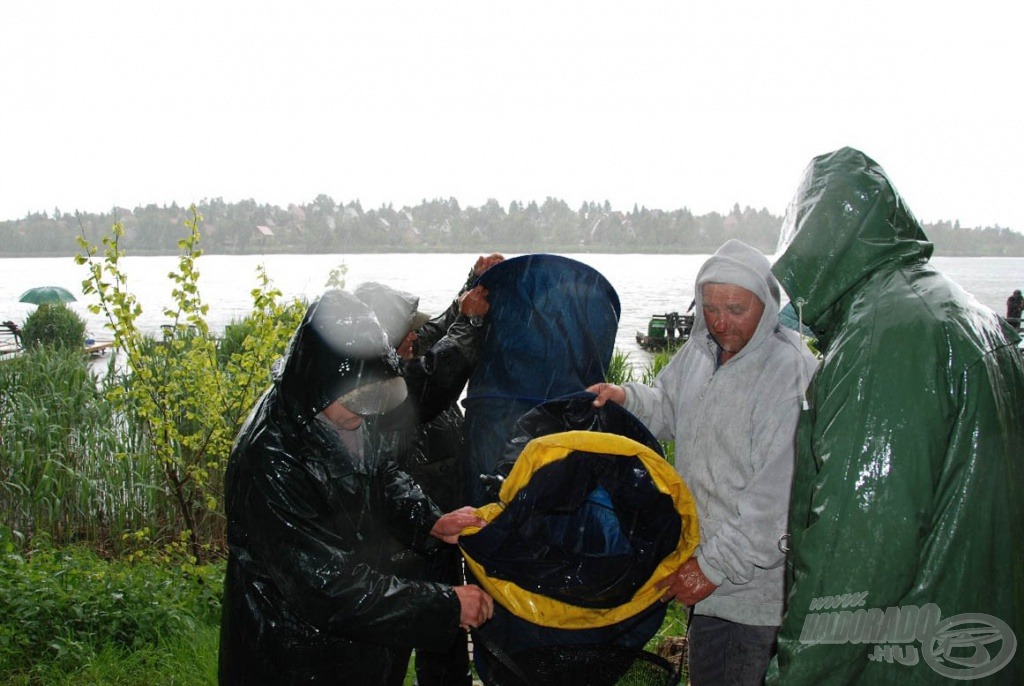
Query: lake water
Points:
[646, 284]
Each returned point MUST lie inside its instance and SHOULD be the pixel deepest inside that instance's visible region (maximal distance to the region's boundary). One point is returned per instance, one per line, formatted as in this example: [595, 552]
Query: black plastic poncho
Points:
[309, 595]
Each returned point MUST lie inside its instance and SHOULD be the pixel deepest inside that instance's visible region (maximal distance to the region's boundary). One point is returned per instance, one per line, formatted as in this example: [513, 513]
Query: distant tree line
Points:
[326, 226]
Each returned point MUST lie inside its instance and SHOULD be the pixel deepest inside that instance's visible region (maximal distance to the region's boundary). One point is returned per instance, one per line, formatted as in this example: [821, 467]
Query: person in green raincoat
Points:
[906, 561]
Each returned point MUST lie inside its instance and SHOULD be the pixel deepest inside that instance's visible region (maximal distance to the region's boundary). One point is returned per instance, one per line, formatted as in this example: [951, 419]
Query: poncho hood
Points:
[860, 222]
[339, 350]
[396, 310]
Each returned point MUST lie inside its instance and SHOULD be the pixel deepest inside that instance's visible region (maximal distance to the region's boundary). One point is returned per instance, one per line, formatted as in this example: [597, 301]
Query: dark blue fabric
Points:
[588, 529]
[550, 332]
[508, 640]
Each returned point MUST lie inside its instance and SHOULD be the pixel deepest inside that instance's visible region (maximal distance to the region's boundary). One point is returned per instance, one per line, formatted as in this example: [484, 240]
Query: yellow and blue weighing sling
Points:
[587, 523]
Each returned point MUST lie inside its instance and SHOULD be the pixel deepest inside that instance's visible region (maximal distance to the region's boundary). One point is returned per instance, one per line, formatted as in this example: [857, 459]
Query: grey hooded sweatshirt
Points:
[734, 426]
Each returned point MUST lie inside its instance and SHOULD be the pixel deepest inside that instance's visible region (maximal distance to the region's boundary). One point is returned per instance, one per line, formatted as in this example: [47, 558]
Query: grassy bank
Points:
[99, 580]
[69, 616]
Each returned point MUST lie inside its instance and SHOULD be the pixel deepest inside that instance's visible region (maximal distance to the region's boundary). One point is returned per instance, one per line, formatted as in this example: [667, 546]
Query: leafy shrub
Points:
[61, 607]
[182, 394]
[55, 326]
[233, 342]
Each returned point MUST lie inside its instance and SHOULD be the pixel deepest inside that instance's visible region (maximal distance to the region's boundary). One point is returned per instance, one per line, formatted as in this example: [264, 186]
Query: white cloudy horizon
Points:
[663, 104]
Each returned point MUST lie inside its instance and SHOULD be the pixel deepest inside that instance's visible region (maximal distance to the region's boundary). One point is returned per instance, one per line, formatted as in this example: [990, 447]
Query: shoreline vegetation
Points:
[112, 528]
[325, 226]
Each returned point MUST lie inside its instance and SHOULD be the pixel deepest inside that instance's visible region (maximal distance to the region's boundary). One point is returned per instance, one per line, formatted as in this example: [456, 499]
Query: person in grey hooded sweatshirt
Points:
[730, 399]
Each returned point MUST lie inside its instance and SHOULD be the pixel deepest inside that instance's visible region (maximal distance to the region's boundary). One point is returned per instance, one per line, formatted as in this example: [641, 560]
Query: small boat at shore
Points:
[665, 332]
[10, 339]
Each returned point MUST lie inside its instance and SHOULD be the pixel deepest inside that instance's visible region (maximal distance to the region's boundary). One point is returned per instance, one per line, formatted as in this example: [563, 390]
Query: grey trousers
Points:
[724, 653]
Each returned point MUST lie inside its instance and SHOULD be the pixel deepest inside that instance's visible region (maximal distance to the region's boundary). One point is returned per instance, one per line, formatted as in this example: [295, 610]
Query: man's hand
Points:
[606, 392]
[476, 606]
[406, 349]
[483, 263]
[688, 585]
[449, 526]
[474, 302]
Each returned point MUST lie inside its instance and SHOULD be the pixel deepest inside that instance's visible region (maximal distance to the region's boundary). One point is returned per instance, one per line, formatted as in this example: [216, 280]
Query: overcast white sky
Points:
[665, 104]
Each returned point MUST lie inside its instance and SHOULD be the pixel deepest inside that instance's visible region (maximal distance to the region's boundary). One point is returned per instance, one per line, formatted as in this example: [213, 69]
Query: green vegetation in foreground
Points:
[71, 618]
[111, 521]
[68, 616]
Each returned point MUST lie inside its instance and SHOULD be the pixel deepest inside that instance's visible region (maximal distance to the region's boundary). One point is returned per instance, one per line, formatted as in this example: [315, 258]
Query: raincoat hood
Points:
[860, 222]
[741, 265]
[339, 351]
[397, 311]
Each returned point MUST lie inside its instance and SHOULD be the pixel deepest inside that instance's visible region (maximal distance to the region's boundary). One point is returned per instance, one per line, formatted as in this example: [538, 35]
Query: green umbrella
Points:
[46, 294]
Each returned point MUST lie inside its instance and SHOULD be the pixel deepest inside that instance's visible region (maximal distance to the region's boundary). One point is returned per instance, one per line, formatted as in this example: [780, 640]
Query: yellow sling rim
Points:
[549, 612]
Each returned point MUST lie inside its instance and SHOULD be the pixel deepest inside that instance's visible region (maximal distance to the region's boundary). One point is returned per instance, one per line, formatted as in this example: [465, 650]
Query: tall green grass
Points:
[621, 370]
[181, 660]
[71, 470]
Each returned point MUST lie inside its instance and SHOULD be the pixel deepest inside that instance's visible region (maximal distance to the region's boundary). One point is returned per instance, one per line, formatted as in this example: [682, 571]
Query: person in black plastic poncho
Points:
[426, 437]
[309, 595]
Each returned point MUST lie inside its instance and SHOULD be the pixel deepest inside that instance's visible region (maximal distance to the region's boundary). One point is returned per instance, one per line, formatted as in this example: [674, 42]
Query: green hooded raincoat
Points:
[906, 560]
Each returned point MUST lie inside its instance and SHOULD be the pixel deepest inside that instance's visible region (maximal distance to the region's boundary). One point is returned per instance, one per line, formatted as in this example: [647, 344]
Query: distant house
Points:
[261, 235]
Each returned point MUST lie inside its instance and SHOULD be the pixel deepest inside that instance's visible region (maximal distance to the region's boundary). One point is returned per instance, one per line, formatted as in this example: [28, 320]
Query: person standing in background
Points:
[437, 358]
[1014, 308]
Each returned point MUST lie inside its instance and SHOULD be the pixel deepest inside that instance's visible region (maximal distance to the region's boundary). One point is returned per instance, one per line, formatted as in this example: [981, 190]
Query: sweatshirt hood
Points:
[741, 265]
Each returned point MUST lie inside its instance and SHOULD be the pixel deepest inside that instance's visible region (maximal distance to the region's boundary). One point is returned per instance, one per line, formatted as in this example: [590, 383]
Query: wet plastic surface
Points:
[909, 482]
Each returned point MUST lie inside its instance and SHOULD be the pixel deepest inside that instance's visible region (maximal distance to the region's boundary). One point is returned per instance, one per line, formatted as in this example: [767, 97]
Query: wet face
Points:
[732, 314]
[342, 417]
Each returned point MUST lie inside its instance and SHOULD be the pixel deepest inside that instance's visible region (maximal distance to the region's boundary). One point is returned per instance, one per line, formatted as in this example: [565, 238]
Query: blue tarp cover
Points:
[550, 332]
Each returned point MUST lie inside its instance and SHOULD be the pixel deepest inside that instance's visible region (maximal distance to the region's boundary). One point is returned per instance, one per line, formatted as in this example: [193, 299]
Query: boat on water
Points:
[10, 339]
[665, 332]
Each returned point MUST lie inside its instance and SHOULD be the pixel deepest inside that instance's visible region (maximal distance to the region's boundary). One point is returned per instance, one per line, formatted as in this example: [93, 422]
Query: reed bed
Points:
[71, 469]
